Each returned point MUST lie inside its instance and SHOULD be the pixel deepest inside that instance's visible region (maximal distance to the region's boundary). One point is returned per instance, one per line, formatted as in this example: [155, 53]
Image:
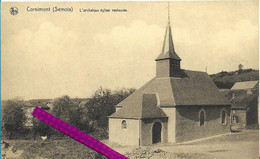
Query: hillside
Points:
[225, 80]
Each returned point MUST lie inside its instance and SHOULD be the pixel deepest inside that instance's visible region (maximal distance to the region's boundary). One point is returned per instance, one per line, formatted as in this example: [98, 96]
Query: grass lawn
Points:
[53, 149]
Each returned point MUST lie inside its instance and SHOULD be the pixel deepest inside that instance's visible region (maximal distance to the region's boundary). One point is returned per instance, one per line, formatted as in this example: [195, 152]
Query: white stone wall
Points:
[29, 116]
[171, 113]
[128, 136]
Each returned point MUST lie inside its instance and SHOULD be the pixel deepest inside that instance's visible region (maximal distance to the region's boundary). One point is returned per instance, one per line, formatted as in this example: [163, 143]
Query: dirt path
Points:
[245, 150]
[243, 145]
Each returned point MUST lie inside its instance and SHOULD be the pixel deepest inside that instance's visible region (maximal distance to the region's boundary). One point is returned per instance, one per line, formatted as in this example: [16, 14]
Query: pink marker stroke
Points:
[76, 134]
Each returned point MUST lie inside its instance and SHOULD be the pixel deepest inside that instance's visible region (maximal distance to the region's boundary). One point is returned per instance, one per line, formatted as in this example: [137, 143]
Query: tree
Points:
[62, 107]
[99, 106]
[102, 104]
[41, 128]
[69, 111]
[240, 68]
[13, 117]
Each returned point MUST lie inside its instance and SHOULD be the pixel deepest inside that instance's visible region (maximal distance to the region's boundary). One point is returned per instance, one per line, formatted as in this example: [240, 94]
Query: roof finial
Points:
[169, 12]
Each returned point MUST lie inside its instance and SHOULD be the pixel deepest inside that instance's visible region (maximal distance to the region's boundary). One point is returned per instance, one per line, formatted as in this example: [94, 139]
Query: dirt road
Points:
[241, 145]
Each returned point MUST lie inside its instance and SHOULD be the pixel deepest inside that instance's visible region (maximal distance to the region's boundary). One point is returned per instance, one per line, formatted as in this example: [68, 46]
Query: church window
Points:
[223, 117]
[202, 117]
[123, 124]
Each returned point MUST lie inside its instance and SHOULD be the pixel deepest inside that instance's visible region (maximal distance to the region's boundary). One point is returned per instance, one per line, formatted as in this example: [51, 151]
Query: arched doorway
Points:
[157, 128]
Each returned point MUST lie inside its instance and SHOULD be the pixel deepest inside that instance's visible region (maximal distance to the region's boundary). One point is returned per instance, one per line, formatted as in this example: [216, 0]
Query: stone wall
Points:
[188, 124]
[28, 114]
[241, 117]
[171, 113]
[248, 116]
[252, 113]
[128, 136]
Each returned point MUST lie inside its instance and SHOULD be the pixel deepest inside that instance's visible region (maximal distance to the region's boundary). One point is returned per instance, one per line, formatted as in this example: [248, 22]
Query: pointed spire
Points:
[168, 51]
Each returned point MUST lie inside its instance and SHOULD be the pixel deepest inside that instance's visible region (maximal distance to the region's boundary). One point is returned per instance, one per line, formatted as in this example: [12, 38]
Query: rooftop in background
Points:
[240, 99]
[245, 85]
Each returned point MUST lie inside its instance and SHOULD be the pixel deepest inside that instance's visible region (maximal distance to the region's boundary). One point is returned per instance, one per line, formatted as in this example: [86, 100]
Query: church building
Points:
[177, 105]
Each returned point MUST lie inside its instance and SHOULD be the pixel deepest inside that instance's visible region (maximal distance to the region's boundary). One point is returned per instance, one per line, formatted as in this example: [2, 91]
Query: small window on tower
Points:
[123, 124]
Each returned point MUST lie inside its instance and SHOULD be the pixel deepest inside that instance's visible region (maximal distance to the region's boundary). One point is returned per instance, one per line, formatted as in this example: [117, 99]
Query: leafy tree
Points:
[240, 67]
[41, 128]
[62, 107]
[102, 104]
[98, 106]
[13, 117]
[69, 111]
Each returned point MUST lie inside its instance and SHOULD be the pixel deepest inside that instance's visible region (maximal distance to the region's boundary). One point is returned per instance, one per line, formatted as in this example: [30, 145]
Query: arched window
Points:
[202, 117]
[223, 117]
[123, 124]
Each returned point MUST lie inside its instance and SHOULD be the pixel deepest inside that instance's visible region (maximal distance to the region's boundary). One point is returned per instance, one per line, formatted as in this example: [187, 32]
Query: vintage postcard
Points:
[150, 79]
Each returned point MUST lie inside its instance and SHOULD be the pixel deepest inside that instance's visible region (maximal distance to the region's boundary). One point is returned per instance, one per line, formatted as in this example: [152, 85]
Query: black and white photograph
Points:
[149, 79]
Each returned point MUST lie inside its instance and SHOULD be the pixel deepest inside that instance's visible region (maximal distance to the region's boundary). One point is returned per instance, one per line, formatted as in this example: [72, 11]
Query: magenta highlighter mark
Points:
[76, 134]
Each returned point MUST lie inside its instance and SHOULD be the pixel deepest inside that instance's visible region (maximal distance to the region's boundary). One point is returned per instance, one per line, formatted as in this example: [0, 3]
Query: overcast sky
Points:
[46, 55]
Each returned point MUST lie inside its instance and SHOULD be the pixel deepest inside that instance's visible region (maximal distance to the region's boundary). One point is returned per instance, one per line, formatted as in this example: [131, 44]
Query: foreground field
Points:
[242, 145]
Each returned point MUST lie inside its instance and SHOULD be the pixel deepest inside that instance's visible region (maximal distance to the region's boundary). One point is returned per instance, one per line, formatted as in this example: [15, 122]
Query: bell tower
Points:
[168, 62]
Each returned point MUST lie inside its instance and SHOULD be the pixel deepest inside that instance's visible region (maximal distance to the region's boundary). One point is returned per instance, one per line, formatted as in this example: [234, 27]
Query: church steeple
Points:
[168, 47]
[168, 62]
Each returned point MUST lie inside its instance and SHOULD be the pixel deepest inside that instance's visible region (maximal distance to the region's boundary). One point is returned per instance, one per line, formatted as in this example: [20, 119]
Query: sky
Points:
[47, 55]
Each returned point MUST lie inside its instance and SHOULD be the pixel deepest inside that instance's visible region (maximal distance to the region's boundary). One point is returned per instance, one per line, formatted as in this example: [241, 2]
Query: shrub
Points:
[13, 118]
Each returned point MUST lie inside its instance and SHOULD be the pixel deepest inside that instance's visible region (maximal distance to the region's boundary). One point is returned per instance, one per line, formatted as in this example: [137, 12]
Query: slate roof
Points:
[148, 109]
[194, 89]
[241, 99]
[224, 92]
[245, 85]
[243, 102]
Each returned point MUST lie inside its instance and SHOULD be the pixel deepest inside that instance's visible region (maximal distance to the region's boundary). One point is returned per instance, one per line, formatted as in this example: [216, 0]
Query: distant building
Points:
[247, 85]
[244, 103]
[175, 106]
[42, 103]
[28, 109]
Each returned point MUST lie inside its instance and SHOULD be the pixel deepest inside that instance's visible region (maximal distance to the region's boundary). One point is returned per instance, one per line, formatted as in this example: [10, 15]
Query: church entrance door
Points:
[157, 128]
